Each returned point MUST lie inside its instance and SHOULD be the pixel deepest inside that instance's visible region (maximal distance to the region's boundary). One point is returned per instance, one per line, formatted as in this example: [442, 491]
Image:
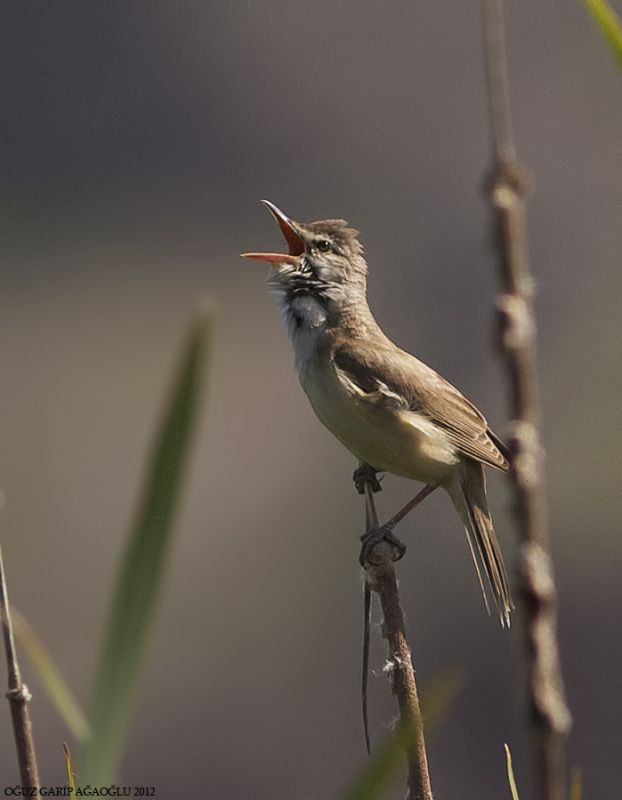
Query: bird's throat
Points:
[304, 312]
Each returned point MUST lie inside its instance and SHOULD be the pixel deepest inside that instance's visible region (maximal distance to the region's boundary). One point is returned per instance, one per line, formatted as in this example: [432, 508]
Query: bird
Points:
[394, 413]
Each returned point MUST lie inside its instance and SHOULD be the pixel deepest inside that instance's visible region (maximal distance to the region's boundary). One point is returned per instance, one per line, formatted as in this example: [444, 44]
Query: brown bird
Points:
[390, 410]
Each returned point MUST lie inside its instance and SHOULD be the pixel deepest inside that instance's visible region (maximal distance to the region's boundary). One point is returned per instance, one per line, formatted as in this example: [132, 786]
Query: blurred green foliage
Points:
[142, 568]
[387, 761]
[608, 23]
[50, 678]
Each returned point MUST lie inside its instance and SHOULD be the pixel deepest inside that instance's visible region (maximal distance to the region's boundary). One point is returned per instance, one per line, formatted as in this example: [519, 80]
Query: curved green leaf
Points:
[510, 769]
[608, 23]
[50, 678]
[387, 759]
[142, 568]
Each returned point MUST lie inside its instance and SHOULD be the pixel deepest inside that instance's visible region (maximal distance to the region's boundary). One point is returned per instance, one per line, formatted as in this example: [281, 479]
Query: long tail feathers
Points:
[468, 492]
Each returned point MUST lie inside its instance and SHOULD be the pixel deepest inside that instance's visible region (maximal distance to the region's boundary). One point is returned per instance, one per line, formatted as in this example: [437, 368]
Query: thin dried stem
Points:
[381, 579]
[18, 696]
[517, 341]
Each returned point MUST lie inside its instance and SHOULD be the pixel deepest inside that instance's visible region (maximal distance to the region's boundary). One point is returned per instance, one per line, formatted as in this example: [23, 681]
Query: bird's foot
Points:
[373, 537]
[366, 474]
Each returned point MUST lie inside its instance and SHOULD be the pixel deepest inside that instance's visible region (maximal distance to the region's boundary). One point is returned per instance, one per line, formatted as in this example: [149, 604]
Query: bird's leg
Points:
[366, 474]
[376, 533]
[371, 515]
[373, 537]
[411, 504]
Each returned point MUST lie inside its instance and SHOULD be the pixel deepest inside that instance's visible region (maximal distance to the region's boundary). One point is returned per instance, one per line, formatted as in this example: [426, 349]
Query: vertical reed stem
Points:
[517, 341]
[18, 696]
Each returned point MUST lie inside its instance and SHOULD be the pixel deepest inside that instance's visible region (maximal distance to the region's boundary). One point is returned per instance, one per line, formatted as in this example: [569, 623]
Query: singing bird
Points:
[390, 410]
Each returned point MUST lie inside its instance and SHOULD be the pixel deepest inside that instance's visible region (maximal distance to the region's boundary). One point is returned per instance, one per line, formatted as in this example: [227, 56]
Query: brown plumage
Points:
[423, 390]
[392, 411]
[388, 376]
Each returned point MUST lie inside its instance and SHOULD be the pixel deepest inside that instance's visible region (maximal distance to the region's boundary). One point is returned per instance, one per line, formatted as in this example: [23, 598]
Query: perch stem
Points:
[381, 579]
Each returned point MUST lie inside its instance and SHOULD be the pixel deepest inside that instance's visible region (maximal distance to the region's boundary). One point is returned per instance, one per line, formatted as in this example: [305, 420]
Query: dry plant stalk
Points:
[517, 340]
[381, 579]
[18, 696]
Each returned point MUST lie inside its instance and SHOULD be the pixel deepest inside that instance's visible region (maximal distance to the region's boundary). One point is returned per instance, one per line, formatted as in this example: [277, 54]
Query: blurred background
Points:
[137, 140]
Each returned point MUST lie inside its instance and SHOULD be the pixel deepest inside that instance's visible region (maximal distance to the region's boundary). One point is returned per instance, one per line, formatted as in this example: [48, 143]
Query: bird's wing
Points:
[385, 375]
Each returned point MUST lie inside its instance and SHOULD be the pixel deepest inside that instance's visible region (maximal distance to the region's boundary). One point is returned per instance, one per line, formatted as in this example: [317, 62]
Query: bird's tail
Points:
[468, 492]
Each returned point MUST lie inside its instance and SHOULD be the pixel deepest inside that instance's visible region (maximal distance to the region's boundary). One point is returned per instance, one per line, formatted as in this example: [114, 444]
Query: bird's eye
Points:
[324, 246]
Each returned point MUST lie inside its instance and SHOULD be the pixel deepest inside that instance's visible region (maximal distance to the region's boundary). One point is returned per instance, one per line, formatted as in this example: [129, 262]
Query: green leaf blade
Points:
[142, 569]
[71, 775]
[609, 24]
[387, 759]
[50, 678]
[510, 771]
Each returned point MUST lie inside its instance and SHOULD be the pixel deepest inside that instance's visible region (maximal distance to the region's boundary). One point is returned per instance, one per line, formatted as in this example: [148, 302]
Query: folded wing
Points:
[389, 376]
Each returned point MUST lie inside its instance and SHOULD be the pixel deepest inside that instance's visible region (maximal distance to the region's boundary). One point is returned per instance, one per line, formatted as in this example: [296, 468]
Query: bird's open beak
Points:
[294, 240]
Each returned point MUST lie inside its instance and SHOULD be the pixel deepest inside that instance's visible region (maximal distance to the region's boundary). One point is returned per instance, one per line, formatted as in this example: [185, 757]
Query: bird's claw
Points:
[373, 537]
[363, 475]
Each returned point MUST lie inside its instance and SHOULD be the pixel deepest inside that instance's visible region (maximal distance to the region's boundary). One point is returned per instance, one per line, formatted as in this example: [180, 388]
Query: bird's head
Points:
[324, 260]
